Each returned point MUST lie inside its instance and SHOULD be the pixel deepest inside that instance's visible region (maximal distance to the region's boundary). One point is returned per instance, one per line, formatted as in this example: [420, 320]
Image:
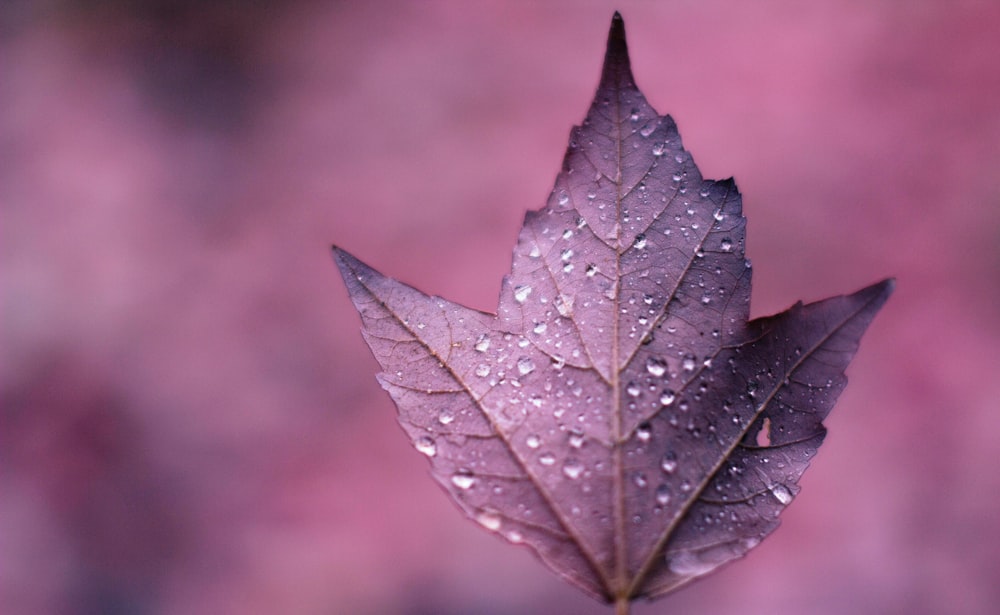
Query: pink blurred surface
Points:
[190, 420]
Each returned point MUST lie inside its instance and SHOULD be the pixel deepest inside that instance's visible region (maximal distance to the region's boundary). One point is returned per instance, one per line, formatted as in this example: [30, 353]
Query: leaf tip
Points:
[617, 72]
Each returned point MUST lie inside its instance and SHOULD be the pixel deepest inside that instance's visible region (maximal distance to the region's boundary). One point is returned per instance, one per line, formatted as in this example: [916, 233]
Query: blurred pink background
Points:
[190, 419]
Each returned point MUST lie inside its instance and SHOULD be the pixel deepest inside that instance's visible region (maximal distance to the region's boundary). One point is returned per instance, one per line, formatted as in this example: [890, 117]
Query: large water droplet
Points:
[781, 493]
[533, 441]
[566, 254]
[426, 446]
[525, 366]
[658, 149]
[521, 293]
[656, 366]
[688, 362]
[573, 468]
[489, 519]
[640, 242]
[726, 244]
[644, 432]
[482, 343]
[547, 459]
[632, 389]
[576, 438]
[667, 397]
[463, 479]
[446, 416]
[482, 370]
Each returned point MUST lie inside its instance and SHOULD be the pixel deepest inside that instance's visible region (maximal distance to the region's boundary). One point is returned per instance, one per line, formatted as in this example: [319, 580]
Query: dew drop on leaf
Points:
[482, 343]
[525, 366]
[425, 445]
[521, 293]
[669, 463]
[489, 519]
[573, 468]
[463, 479]
[781, 493]
[663, 495]
[667, 397]
[655, 366]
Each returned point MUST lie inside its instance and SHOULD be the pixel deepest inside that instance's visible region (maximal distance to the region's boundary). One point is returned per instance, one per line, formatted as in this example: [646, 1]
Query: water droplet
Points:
[656, 366]
[644, 432]
[515, 536]
[634, 115]
[576, 438]
[564, 305]
[546, 459]
[521, 293]
[667, 397]
[563, 198]
[426, 446]
[558, 362]
[688, 363]
[640, 242]
[726, 244]
[663, 495]
[648, 129]
[781, 493]
[658, 149]
[718, 215]
[573, 468]
[640, 480]
[525, 366]
[482, 370]
[669, 463]
[591, 270]
[489, 519]
[533, 441]
[535, 251]
[567, 234]
[566, 254]
[446, 416]
[540, 328]
[463, 479]
[567, 268]
[483, 343]
[632, 389]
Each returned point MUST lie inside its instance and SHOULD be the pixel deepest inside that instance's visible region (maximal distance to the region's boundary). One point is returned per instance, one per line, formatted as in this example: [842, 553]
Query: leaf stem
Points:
[622, 605]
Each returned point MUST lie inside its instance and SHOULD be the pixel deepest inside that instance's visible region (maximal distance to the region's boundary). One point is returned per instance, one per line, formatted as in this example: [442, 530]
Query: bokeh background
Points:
[190, 420]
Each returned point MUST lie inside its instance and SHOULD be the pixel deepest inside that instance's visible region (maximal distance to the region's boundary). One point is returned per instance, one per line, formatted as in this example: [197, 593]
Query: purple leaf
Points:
[619, 414]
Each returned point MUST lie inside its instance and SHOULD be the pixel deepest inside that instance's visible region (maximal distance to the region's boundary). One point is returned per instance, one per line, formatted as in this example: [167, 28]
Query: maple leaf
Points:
[619, 414]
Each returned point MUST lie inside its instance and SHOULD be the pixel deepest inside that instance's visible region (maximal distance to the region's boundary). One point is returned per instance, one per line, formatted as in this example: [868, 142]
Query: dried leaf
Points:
[619, 414]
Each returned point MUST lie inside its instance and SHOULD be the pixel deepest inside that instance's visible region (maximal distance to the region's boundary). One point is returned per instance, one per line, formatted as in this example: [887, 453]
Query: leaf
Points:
[619, 414]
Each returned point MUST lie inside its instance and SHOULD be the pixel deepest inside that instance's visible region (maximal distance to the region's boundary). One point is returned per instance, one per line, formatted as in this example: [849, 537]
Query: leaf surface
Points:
[619, 414]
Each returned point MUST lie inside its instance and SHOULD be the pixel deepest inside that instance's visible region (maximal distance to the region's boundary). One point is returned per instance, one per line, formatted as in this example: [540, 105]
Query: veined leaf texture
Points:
[620, 414]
